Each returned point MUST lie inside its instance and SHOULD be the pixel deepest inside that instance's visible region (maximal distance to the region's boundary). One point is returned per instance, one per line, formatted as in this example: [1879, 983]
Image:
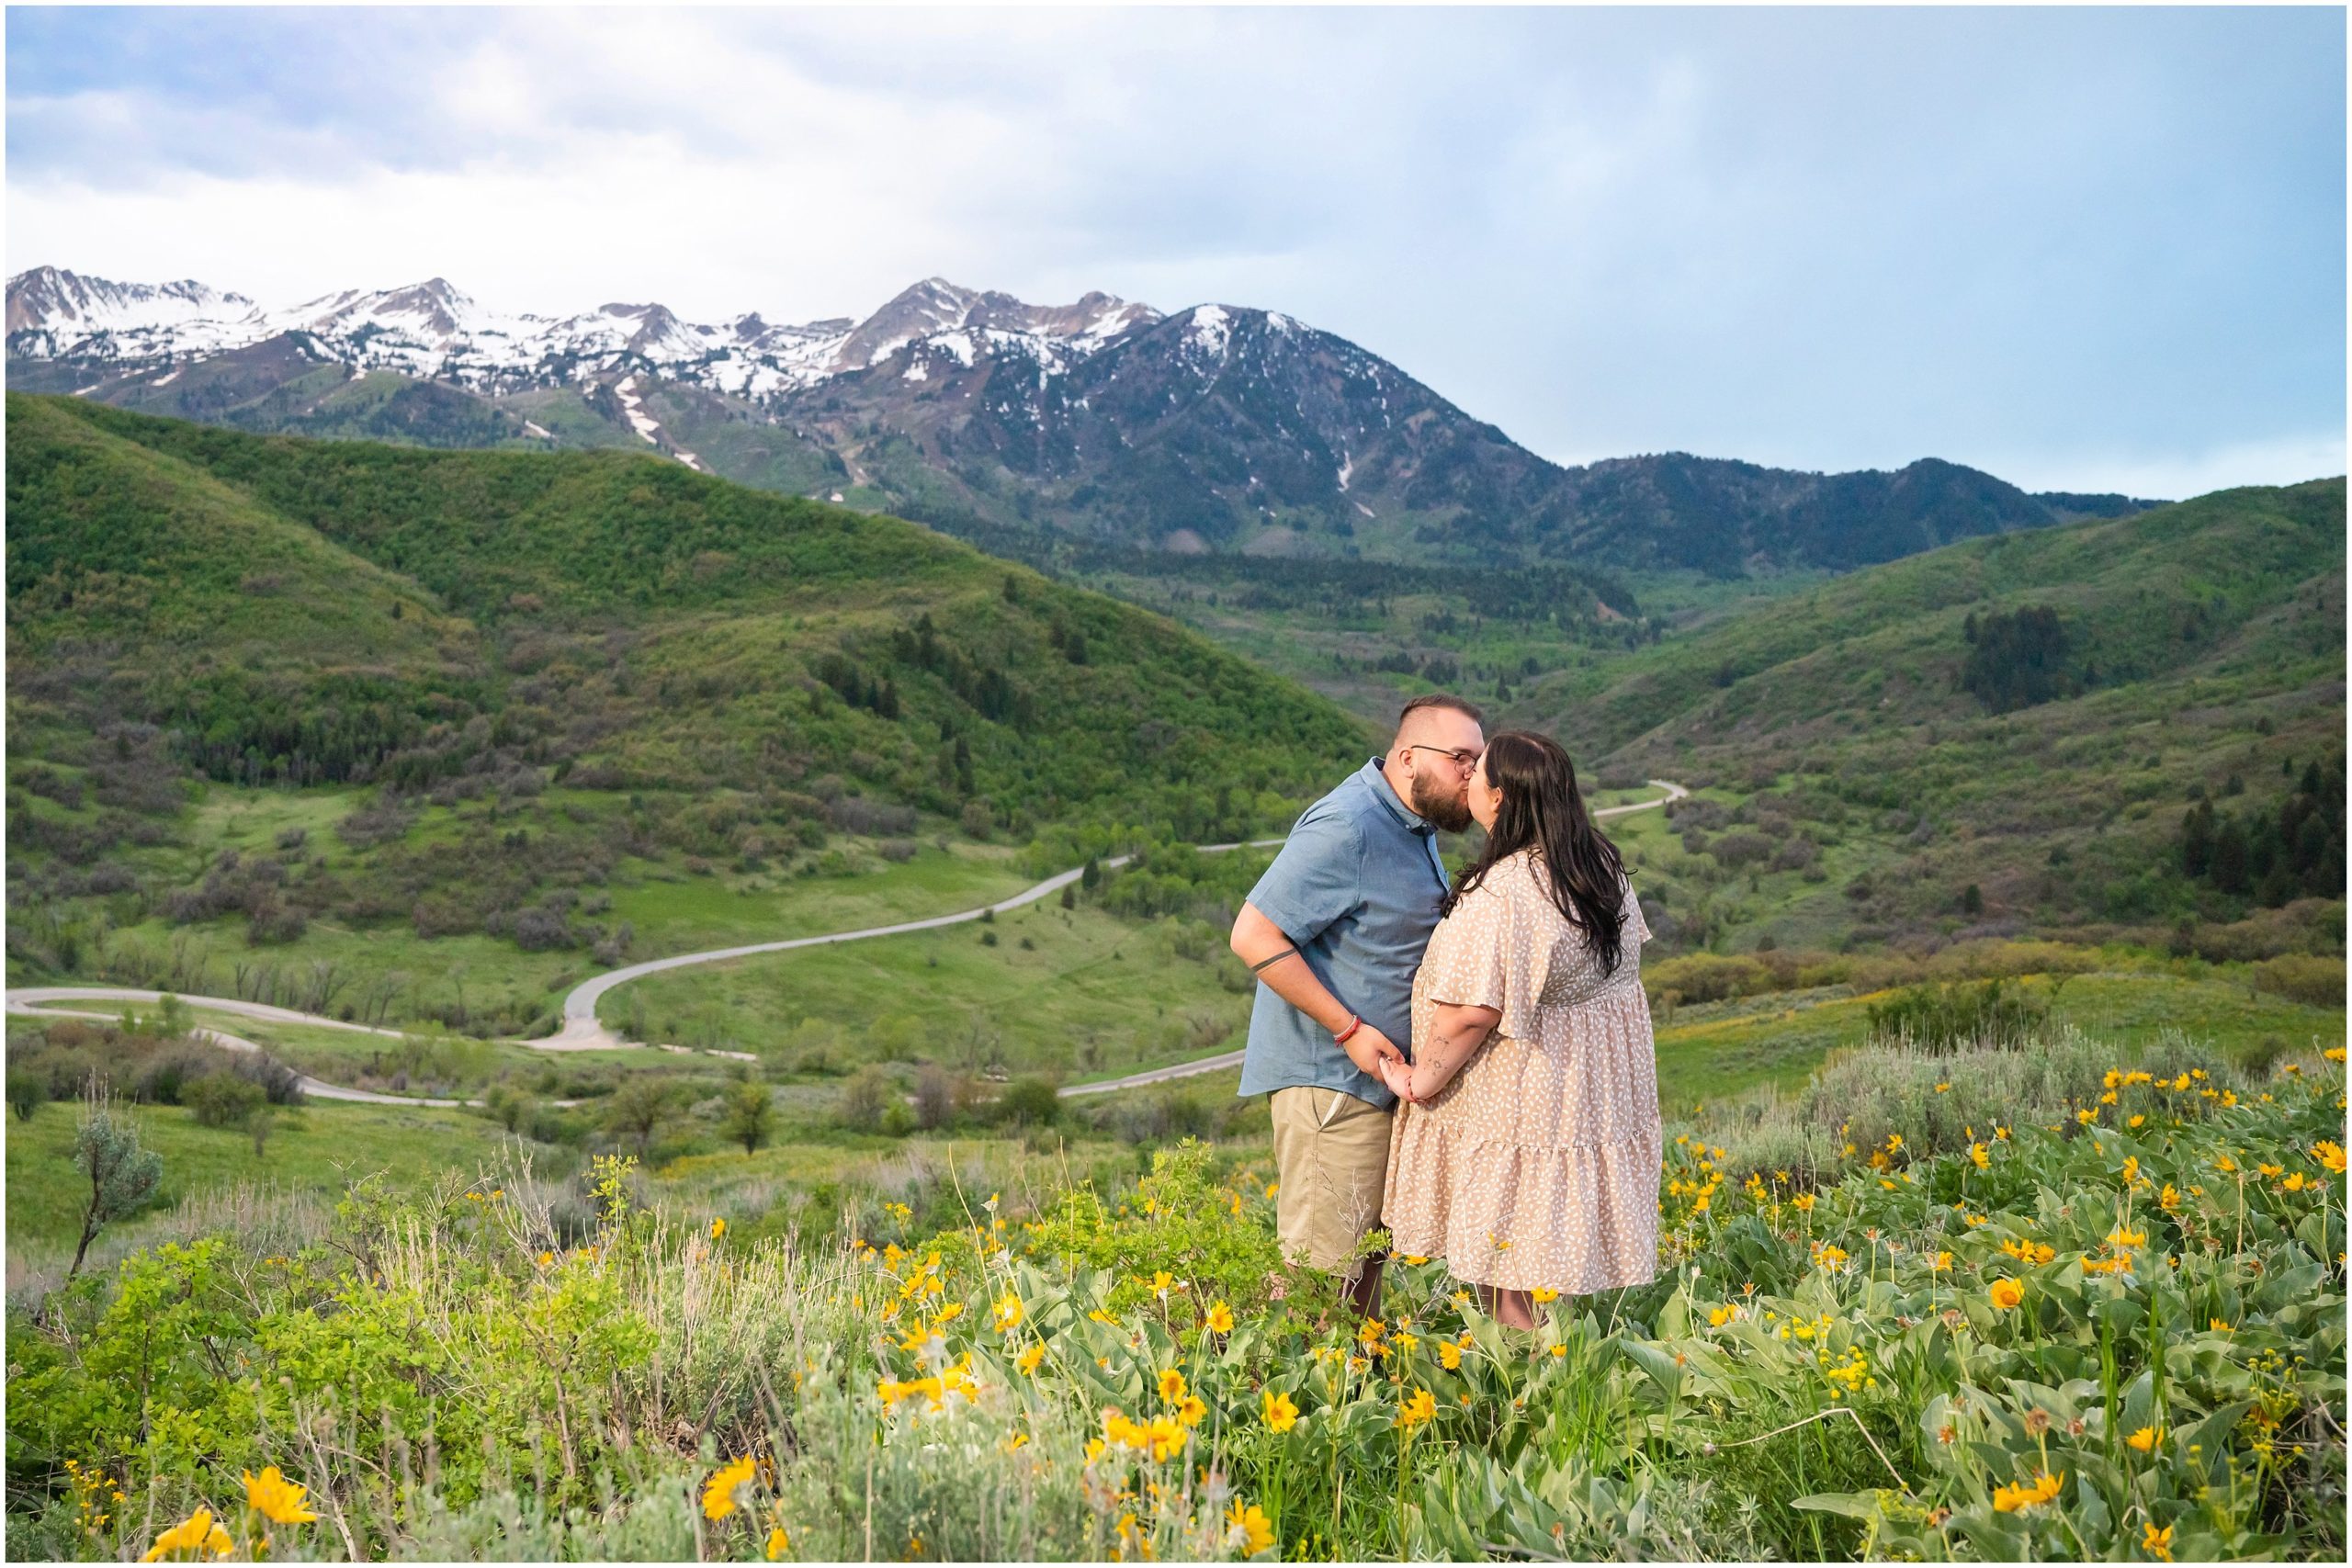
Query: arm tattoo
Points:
[1277, 958]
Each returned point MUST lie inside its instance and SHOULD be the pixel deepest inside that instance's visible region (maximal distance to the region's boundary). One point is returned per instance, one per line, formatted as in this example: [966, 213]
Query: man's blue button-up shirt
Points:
[1356, 886]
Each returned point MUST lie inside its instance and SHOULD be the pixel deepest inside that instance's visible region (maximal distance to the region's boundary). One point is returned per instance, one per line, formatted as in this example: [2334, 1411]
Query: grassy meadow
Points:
[2039, 1304]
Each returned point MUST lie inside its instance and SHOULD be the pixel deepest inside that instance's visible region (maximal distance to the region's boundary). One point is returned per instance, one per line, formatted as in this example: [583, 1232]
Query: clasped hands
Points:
[1374, 1053]
[1397, 1074]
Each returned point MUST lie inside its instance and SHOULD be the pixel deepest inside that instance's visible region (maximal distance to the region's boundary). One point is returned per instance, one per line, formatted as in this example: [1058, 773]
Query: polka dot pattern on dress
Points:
[1537, 1165]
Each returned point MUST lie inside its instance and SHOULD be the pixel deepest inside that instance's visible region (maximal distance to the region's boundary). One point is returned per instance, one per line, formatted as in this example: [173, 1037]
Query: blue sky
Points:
[2085, 249]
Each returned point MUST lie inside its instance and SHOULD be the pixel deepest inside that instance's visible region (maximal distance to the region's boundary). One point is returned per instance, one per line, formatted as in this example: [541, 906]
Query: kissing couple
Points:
[1465, 1060]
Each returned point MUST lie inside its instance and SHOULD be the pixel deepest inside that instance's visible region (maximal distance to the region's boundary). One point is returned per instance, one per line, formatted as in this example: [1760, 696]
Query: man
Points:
[1334, 931]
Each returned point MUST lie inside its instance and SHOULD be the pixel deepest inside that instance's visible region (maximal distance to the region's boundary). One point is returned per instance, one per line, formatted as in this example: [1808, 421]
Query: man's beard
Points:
[1448, 811]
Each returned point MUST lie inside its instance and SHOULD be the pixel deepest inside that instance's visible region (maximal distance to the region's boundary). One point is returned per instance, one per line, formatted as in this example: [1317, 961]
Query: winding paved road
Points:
[582, 1031]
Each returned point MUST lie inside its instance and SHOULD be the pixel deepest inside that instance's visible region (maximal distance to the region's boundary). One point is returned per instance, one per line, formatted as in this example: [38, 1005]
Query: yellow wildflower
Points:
[2005, 1293]
[778, 1544]
[1420, 1407]
[718, 1228]
[1220, 1318]
[196, 1533]
[1009, 1312]
[1027, 1361]
[2039, 1490]
[2147, 1438]
[276, 1498]
[1171, 1386]
[2156, 1543]
[1280, 1413]
[719, 1492]
[1251, 1532]
[1543, 1294]
[1448, 1356]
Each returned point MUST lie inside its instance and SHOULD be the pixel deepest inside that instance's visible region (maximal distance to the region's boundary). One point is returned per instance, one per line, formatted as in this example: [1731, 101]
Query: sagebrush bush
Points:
[2315, 982]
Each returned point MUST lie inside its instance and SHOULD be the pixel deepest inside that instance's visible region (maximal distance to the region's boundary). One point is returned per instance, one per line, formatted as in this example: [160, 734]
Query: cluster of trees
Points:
[982, 686]
[2019, 658]
[2294, 851]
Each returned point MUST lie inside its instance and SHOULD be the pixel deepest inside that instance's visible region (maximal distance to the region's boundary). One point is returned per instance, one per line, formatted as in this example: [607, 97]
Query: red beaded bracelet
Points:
[1355, 1022]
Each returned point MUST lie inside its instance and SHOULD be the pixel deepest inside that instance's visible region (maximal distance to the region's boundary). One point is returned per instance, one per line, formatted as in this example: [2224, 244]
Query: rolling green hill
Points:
[322, 612]
[496, 681]
[1927, 729]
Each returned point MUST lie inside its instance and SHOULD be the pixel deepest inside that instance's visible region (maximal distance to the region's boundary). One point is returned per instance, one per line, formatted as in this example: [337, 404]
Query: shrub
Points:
[223, 1099]
[1706, 978]
[1737, 849]
[1031, 1102]
[121, 1171]
[750, 1115]
[28, 1092]
[934, 1098]
[2315, 982]
[639, 1108]
[1941, 1018]
[864, 1098]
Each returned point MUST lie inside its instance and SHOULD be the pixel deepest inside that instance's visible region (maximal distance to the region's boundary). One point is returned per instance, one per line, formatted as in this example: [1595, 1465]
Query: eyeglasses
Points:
[1466, 761]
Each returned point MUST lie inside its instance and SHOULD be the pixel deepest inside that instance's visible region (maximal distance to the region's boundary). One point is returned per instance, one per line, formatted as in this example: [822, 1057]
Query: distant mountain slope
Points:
[2194, 645]
[317, 612]
[1218, 427]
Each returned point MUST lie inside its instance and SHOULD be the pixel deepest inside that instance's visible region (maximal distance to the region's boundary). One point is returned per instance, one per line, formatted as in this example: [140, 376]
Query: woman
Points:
[1527, 1152]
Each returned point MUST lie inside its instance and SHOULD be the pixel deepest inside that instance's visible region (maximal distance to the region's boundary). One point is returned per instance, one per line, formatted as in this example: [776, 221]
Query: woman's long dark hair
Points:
[1543, 807]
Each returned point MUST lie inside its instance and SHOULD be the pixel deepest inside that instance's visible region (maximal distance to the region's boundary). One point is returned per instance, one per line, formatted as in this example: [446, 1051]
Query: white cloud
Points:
[1817, 239]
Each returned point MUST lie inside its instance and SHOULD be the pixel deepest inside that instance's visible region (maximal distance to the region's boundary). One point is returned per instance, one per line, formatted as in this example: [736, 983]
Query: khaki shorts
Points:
[1332, 1160]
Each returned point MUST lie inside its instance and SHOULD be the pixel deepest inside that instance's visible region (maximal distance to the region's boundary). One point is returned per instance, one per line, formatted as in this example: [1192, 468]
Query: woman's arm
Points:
[1455, 1035]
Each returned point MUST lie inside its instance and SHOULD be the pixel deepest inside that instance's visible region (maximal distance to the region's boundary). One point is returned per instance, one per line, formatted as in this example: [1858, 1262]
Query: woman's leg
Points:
[1512, 1309]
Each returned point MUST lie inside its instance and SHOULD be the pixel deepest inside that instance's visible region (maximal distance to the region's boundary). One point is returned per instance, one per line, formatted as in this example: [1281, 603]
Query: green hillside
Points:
[496, 681]
[2031, 715]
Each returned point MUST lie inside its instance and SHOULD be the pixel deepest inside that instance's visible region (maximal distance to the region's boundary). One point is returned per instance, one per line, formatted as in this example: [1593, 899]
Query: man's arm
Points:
[1257, 941]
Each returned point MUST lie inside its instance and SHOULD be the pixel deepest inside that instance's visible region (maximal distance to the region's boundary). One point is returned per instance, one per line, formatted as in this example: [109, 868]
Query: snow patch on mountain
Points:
[1211, 331]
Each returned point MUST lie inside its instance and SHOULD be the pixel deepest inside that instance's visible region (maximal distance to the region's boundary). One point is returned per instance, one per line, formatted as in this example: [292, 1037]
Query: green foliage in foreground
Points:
[2078, 1340]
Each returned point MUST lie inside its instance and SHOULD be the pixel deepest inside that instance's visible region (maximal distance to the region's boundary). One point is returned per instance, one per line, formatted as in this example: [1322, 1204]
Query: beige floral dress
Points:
[1537, 1165]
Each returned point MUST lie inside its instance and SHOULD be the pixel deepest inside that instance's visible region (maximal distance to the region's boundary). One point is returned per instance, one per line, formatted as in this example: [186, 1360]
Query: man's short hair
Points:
[1461, 705]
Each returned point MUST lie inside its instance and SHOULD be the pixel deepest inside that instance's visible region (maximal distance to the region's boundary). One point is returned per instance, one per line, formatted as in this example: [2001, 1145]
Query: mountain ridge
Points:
[1218, 427]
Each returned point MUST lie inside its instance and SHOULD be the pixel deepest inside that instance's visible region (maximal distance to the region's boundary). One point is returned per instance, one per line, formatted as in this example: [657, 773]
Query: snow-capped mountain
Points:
[1218, 427]
[66, 310]
[433, 330]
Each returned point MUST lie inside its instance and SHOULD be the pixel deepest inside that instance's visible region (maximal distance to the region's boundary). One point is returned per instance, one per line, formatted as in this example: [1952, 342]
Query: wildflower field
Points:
[2102, 1318]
